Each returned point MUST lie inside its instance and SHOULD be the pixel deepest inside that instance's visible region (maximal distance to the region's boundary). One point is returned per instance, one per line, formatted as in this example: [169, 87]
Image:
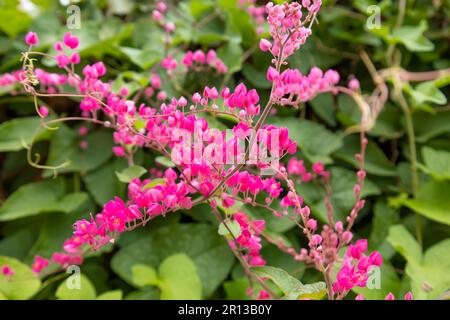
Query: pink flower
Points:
[408, 296]
[157, 16]
[161, 6]
[43, 111]
[316, 240]
[31, 39]
[354, 84]
[272, 74]
[119, 151]
[7, 271]
[155, 81]
[196, 97]
[39, 264]
[263, 295]
[70, 41]
[170, 27]
[332, 77]
[62, 60]
[58, 46]
[265, 45]
[376, 258]
[312, 224]
[89, 104]
[75, 58]
[161, 96]
[390, 296]
[64, 259]
[355, 267]
[83, 131]
[169, 63]
[318, 167]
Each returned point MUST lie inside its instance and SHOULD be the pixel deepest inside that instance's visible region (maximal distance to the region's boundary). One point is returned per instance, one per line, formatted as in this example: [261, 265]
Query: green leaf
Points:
[237, 289]
[432, 279]
[20, 286]
[102, 36]
[233, 226]
[17, 133]
[313, 291]
[323, 106]
[426, 92]
[200, 7]
[437, 163]
[164, 161]
[147, 34]
[342, 196]
[428, 126]
[179, 279]
[65, 148]
[130, 173]
[54, 229]
[150, 293]
[76, 287]
[17, 244]
[290, 286]
[240, 21]
[102, 183]
[121, 7]
[273, 223]
[44, 196]
[200, 242]
[281, 278]
[70, 202]
[428, 273]
[13, 21]
[432, 201]
[310, 55]
[376, 161]
[144, 58]
[144, 275]
[400, 238]
[384, 217]
[155, 182]
[412, 37]
[313, 139]
[256, 77]
[231, 54]
[111, 295]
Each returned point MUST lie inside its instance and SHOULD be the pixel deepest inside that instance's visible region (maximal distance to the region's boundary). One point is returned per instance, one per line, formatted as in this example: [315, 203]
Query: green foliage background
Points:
[182, 255]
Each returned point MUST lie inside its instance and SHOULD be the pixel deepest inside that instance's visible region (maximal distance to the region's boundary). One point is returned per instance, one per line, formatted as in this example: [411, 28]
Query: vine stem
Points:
[412, 150]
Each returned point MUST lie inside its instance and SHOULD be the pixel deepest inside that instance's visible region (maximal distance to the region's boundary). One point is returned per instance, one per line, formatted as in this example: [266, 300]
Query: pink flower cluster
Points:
[292, 87]
[287, 26]
[243, 99]
[158, 15]
[64, 58]
[49, 82]
[169, 63]
[249, 238]
[296, 167]
[197, 60]
[156, 126]
[155, 87]
[117, 216]
[355, 267]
